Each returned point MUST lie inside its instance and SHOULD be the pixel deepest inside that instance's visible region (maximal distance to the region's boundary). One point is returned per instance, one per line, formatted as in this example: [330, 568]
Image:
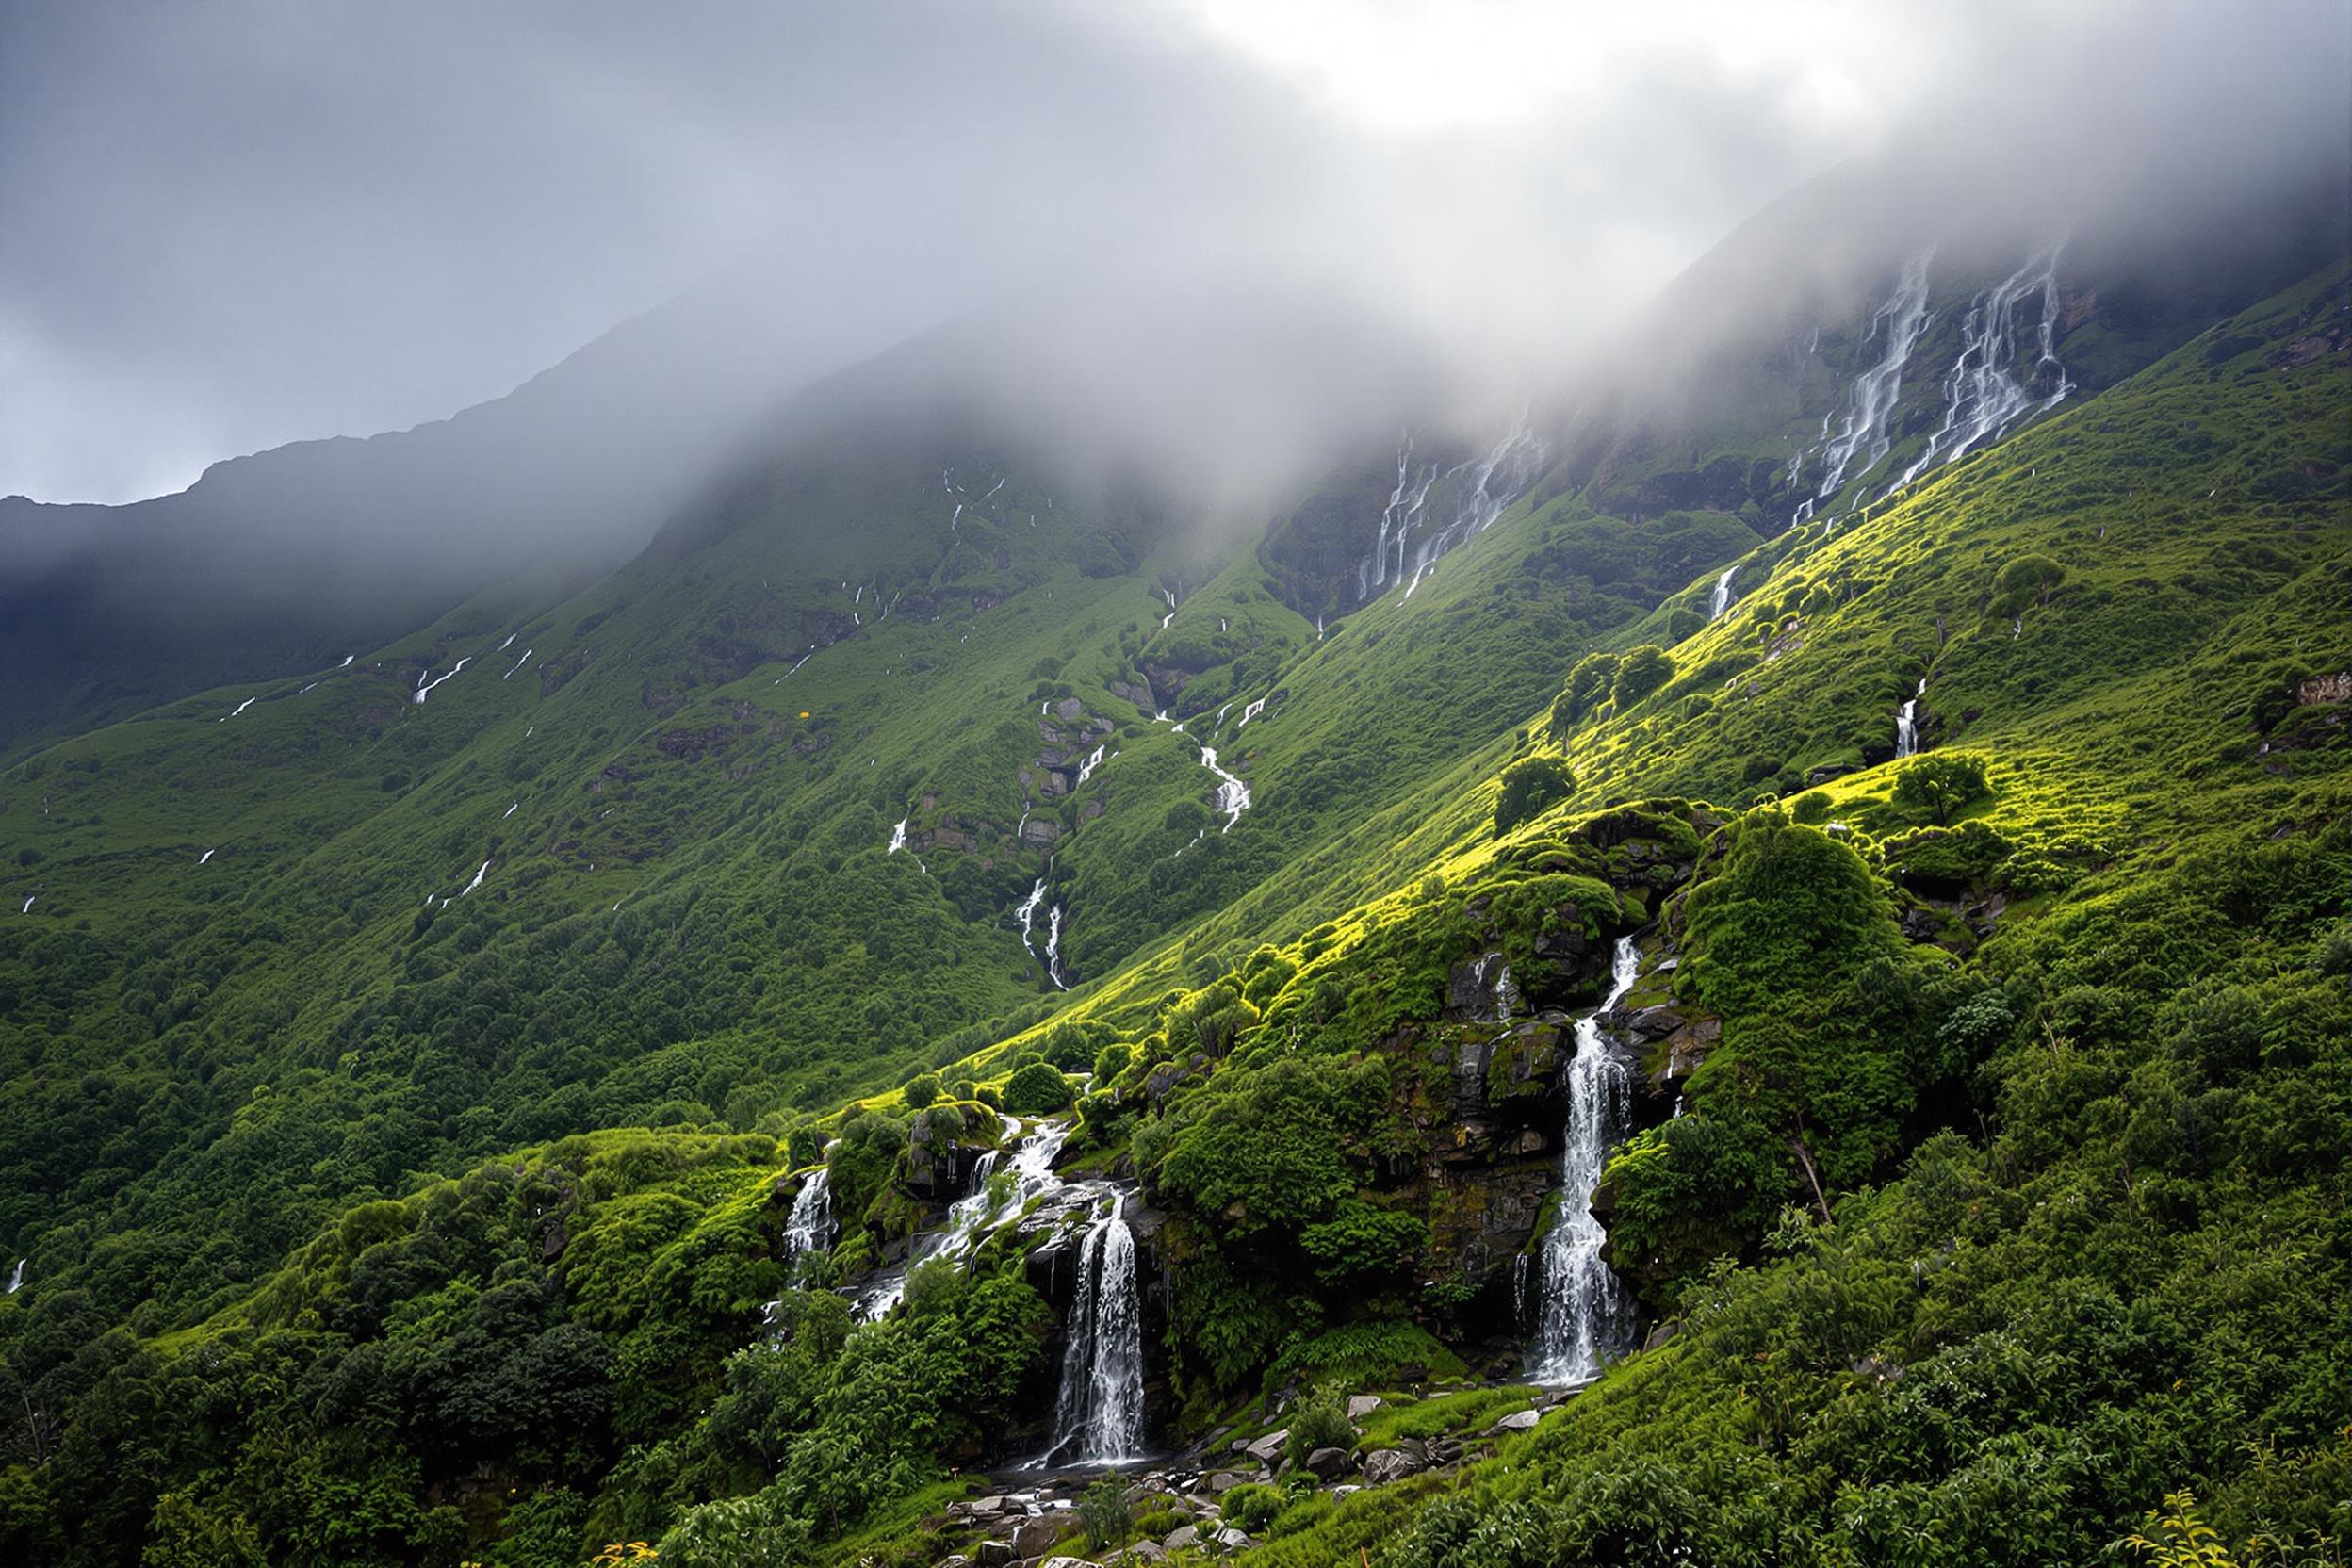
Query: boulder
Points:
[1361, 1405]
[1034, 1537]
[1232, 1539]
[1389, 1464]
[1067, 1562]
[1328, 1464]
[1142, 1551]
[994, 1554]
[1222, 1483]
[1517, 1421]
[1265, 1449]
[1182, 1537]
[1660, 1334]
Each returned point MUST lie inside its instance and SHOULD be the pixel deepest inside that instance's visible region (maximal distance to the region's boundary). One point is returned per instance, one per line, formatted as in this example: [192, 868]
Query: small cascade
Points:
[1719, 600]
[1505, 992]
[1907, 723]
[898, 837]
[1250, 712]
[1098, 1418]
[971, 1217]
[1053, 948]
[1233, 795]
[1984, 393]
[1471, 496]
[1027, 915]
[16, 1277]
[1584, 1308]
[1086, 769]
[809, 1230]
[1865, 434]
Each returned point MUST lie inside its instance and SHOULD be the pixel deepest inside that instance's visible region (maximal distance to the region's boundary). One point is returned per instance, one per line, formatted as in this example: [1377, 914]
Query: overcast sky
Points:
[231, 223]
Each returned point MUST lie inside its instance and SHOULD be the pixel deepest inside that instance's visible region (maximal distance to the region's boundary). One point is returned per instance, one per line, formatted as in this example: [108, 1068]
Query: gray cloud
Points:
[230, 225]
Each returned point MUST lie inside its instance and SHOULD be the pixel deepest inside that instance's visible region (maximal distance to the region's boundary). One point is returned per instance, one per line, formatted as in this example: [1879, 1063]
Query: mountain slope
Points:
[633, 865]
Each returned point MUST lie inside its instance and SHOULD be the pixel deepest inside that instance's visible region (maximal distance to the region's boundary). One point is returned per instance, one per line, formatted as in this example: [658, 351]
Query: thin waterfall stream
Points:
[1584, 1309]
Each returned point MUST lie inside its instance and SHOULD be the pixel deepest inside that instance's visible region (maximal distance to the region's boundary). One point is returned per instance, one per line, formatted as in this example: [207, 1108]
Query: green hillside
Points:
[412, 1067]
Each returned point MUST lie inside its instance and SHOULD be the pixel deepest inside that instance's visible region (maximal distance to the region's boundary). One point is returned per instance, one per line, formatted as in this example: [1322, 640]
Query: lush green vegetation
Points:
[379, 1210]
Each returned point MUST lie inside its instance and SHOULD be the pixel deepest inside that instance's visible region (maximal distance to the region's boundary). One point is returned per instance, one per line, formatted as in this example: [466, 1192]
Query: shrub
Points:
[1940, 784]
[2026, 579]
[1643, 671]
[1038, 1090]
[1321, 1421]
[1106, 1513]
[1252, 1506]
[922, 1091]
[1587, 688]
[1530, 786]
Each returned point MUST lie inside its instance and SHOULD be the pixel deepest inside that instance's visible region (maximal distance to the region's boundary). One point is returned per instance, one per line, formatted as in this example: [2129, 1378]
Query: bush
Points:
[1643, 671]
[1587, 689]
[1940, 784]
[1321, 1421]
[1252, 1506]
[1104, 1512]
[1530, 786]
[922, 1091]
[1038, 1090]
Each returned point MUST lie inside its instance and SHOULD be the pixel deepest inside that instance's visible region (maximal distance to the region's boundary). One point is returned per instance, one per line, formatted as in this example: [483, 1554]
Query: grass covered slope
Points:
[2007, 1200]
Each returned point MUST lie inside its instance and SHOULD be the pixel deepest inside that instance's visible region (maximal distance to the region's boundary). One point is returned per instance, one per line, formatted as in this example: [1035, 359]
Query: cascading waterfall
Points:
[1864, 434]
[1053, 948]
[1027, 915]
[1719, 600]
[1984, 395]
[1487, 485]
[1086, 769]
[809, 1230]
[1584, 1308]
[1907, 723]
[1098, 1418]
[1233, 795]
[980, 1210]
[16, 1277]
[898, 837]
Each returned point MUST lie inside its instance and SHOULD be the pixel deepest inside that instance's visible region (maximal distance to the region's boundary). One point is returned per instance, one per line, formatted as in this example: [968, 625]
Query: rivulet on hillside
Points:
[1749, 962]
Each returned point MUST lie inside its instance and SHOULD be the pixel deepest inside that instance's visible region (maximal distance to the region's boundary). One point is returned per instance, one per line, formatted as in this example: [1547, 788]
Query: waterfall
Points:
[979, 1212]
[1053, 948]
[1719, 600]
[1086, 769]
[1027, 914]
[1486, 485]
[898, 837]
[1907, 723]
[16, 1277]
[809, 1230]
[1876, 389]
[1585, 1311]
[1098, 1418]
[1233, 795]
[1983, 395]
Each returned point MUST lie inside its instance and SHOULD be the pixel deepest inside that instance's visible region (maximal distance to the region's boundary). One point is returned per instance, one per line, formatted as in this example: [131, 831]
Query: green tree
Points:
[1038, 1090]
[1645, 670]
[1940, 783]
[1531, 786]
[1586, 689]
[922, 1091]
[2025, 580]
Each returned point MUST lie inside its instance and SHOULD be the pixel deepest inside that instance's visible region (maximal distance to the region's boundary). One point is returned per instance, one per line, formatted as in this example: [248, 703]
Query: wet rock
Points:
[1033, 1537]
